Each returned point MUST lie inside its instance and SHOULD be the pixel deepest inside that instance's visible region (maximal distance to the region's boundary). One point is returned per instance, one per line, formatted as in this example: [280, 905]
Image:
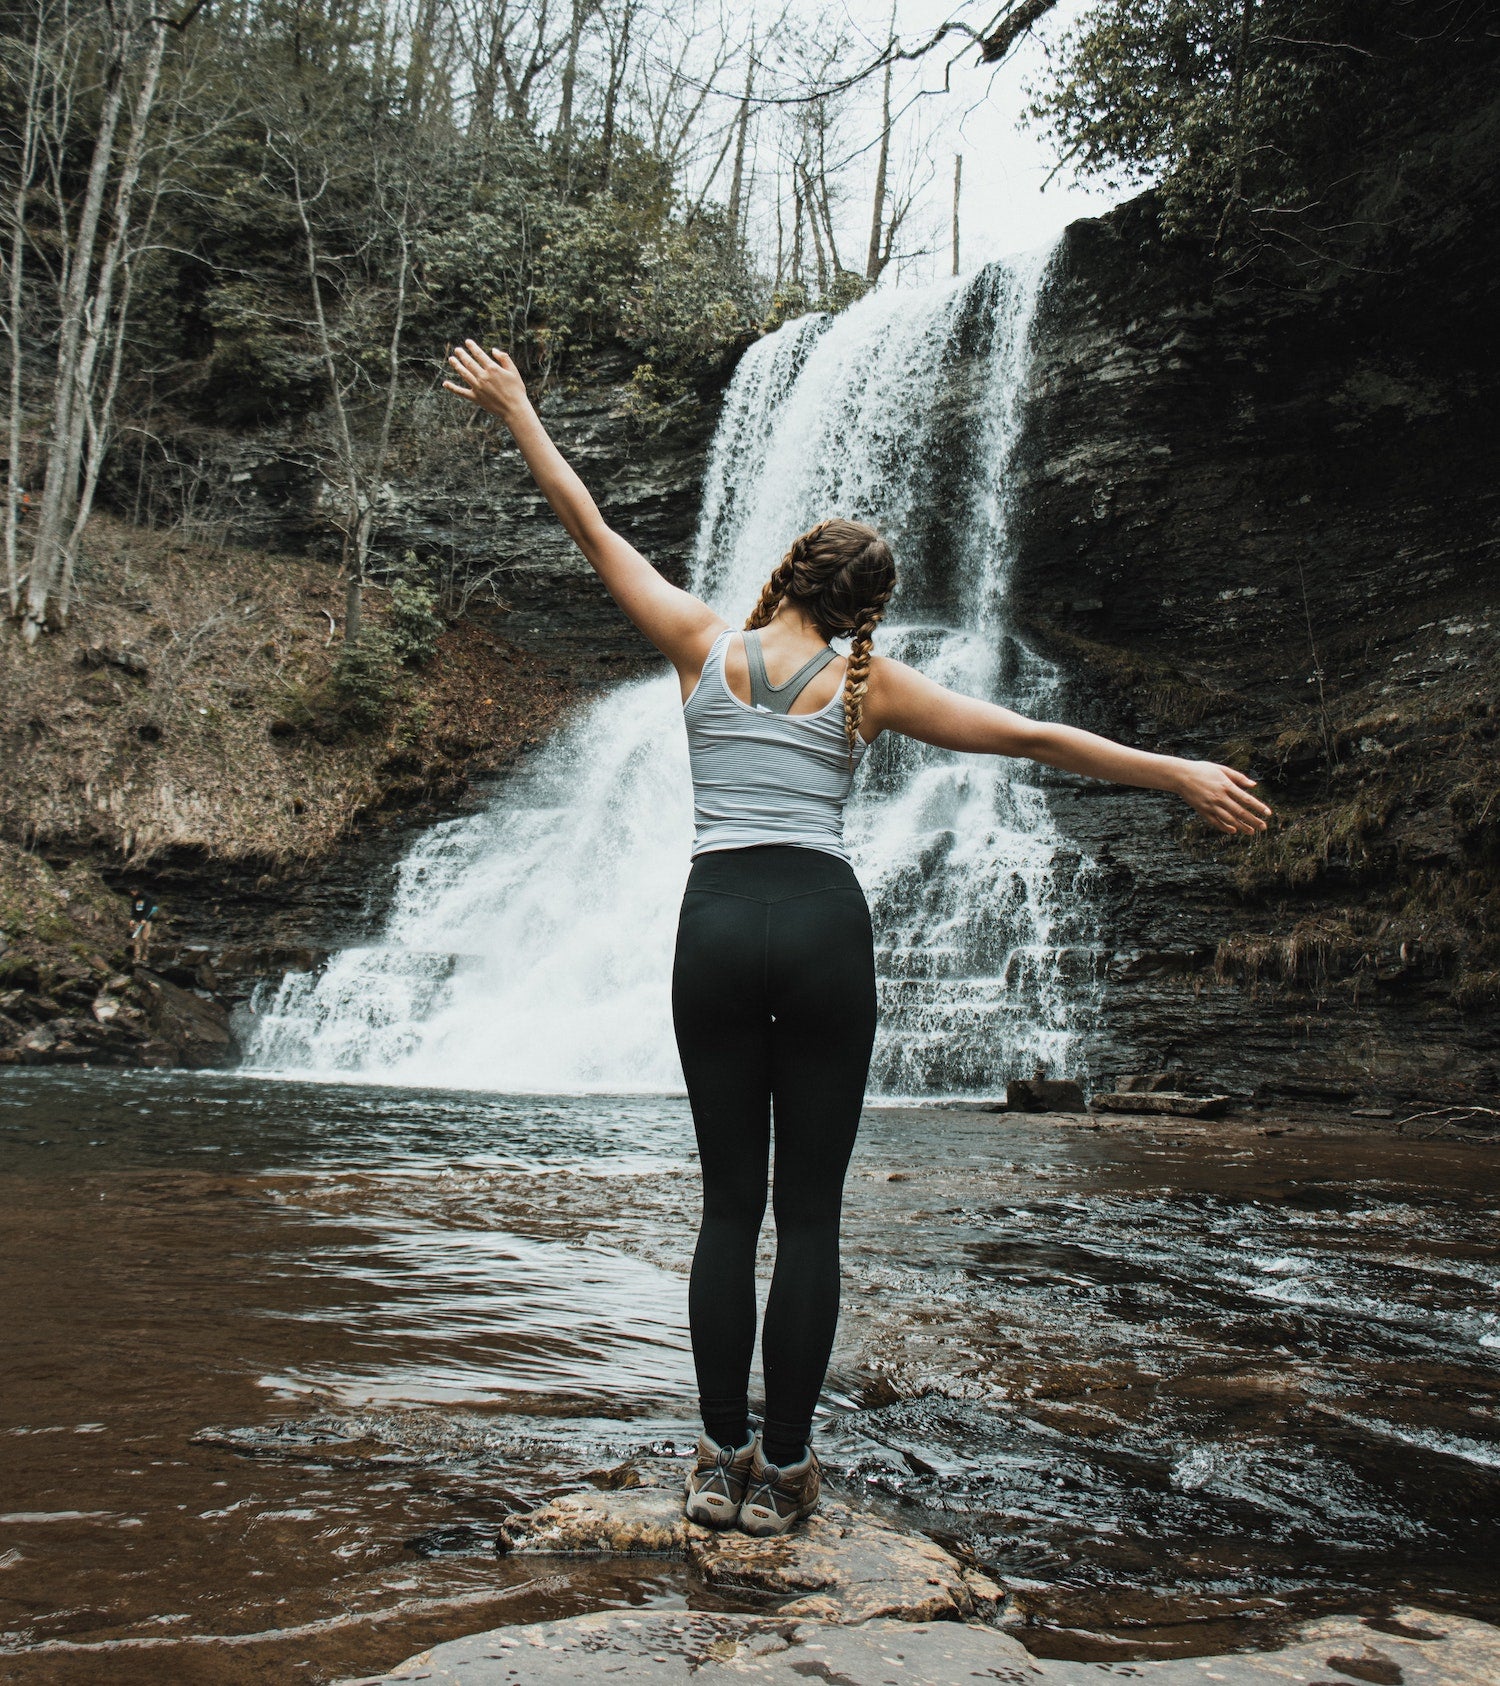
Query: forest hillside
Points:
[274, 596]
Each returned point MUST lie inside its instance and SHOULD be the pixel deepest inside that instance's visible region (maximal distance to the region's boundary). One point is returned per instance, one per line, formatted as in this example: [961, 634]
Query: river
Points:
[279, 1356]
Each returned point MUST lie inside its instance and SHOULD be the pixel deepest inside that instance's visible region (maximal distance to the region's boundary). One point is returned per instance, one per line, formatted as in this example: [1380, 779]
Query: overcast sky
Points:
[1004, 207]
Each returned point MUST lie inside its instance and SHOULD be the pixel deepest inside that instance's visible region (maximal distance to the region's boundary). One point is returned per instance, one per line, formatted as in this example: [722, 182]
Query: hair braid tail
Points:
[857, 670]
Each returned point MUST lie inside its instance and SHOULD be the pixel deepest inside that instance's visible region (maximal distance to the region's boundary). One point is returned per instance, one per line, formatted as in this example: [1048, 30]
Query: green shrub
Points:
[414, 628]
[365, 678]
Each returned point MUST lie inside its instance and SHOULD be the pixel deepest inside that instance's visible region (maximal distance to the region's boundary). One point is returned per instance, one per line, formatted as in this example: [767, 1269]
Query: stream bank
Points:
[185, 736]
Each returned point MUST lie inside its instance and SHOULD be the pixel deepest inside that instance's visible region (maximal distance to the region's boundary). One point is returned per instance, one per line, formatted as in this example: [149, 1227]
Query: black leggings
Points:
[773, 1000]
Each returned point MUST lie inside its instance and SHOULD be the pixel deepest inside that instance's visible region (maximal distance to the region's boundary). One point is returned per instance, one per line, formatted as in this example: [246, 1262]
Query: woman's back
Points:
[762, 775]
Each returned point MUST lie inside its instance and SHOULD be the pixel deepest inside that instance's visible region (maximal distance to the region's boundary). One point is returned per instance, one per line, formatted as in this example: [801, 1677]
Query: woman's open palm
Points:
[490, 379]
[1222, 796]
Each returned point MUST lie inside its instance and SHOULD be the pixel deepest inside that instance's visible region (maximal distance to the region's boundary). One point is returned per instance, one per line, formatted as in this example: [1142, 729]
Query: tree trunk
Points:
[835, 264]
[569, 77]
[810, 198]
[873, 260]
[101, 417]
[737, 181]
[46, 549]
[1011, 28]
[354, 587]
[617, 66]
[958, 182]
[343, 439]
[796, 228]
[26, 170]
[89, 436]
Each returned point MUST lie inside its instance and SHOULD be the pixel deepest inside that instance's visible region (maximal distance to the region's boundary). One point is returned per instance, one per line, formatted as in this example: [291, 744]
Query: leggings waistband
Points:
[771, 872]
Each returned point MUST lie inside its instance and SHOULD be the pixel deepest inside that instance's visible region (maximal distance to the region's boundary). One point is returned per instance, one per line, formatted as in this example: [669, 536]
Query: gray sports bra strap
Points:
[779, 698]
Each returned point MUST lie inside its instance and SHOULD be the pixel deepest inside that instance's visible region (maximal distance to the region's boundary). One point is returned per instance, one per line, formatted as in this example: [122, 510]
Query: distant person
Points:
[773, 980]
[142, 911]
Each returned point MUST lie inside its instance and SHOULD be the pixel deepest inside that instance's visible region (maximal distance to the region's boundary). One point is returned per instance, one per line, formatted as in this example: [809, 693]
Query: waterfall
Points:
[528, 948]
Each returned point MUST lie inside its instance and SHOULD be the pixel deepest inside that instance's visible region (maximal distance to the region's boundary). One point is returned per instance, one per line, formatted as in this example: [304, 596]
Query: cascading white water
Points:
[528, 948]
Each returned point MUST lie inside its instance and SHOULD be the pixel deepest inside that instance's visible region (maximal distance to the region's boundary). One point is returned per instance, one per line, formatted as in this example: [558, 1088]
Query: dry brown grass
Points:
[183, 756]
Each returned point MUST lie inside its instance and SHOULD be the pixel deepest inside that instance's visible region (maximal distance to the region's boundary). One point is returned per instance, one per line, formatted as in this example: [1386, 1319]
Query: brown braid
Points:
[775, 588]
[844, 574]
[857, 669]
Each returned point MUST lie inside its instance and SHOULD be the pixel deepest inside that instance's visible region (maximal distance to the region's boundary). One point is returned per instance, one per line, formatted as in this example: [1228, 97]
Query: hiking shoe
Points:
[717, 1481]
[777, 1497]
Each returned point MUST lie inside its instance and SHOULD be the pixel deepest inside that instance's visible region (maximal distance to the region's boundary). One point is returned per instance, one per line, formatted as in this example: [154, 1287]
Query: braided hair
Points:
[843, 574]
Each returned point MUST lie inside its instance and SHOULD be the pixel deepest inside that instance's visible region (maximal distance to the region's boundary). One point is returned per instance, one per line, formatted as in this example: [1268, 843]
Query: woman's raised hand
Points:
[1222, 796]
[490, 379]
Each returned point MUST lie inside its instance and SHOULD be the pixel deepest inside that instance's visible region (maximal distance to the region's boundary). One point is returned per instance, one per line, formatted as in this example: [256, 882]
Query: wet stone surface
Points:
[1411, 1648]
[842, 1565]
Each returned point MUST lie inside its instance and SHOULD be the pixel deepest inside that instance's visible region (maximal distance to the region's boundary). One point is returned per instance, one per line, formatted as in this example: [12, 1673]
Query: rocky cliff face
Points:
[460, 498]
[183, 735]
[1260, 528]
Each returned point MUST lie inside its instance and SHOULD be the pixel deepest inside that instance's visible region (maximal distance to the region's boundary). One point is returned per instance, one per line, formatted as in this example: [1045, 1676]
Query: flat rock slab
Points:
[1162, 1101]
[840, 1566]
[1415, 1648]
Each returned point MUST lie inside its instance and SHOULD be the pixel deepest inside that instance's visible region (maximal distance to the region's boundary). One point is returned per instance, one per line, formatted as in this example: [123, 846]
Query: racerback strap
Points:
[778, 699]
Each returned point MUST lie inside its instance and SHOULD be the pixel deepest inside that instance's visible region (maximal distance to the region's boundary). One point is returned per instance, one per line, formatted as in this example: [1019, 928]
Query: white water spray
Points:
[529, 948]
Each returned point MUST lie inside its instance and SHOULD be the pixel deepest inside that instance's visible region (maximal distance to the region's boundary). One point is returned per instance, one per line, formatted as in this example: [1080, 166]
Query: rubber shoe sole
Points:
[764, 1522]
[711, 1510]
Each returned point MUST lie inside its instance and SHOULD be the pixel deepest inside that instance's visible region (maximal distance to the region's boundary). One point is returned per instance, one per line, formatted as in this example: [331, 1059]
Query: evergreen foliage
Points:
[1262, 121]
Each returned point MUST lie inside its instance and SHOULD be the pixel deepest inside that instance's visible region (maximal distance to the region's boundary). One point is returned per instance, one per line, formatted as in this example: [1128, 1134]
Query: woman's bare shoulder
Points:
[888, 674]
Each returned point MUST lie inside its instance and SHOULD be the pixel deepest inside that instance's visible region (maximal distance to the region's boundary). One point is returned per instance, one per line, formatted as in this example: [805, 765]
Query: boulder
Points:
[1044, 1094]
[39, 1042]
[188, 1029]
[628, 1522]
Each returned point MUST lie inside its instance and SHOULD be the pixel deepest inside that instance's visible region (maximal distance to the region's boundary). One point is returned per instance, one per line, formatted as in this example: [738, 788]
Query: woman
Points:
[773, 981]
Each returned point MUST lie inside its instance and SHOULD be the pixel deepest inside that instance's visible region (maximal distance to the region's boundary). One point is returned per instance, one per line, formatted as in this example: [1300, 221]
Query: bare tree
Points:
[93, 250]
[874, 262]
[582, 10]
[742, 130]
[27, 71]
[347, 281]
[617, 28]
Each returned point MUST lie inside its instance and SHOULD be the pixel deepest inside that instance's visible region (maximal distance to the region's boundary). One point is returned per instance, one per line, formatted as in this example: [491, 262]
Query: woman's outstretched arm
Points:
[903, 700]
[677, 623]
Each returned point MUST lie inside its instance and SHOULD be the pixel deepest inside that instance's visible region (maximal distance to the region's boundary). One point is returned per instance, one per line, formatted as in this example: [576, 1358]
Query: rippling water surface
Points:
[279, 1356]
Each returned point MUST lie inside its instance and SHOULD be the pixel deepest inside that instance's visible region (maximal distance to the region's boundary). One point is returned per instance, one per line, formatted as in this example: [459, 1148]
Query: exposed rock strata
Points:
[1259, 528]
[460, 497]
[69, 994]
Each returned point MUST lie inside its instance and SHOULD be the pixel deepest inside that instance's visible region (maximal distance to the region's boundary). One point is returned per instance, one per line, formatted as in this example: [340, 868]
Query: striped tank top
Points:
[760, 776]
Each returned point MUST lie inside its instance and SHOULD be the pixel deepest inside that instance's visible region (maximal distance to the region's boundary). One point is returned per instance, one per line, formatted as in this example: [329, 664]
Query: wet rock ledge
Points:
[855, 1600]
[842, 1566]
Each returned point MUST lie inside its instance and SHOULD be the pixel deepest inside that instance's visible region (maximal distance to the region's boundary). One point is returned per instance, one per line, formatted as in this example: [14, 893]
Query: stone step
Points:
[1165, 1102]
